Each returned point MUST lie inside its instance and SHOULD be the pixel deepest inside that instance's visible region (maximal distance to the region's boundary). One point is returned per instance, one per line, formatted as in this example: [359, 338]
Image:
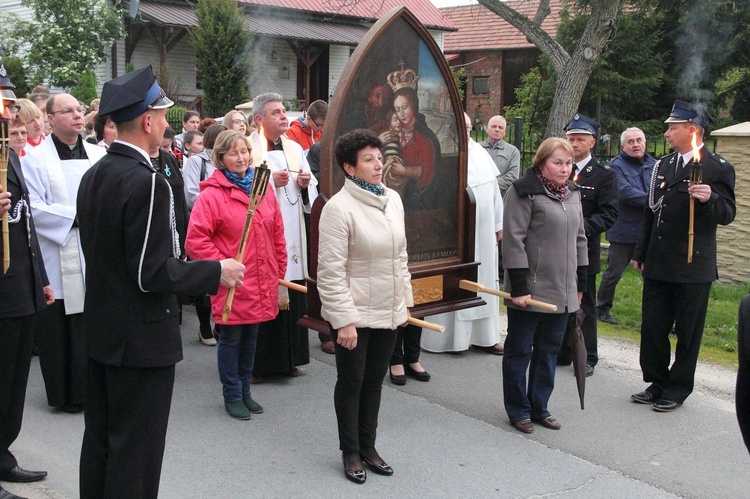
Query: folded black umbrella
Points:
[578, 350]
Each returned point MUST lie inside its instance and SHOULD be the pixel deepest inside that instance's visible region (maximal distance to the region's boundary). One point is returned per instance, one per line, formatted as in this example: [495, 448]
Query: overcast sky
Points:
[451, 3]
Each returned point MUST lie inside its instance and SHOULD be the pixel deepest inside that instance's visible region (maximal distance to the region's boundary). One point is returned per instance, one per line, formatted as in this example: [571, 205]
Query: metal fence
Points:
[607, 147]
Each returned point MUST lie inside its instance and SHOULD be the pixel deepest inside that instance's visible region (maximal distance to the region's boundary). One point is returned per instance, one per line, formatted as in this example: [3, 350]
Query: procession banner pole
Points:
[4, 156]
[478, 288]
[257, 191]
[411, 320]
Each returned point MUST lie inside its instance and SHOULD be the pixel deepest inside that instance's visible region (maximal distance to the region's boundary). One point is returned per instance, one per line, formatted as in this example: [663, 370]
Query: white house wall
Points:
[338, 56]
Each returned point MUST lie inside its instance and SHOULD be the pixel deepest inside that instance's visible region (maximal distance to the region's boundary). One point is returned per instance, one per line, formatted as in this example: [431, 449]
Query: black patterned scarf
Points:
[558, 191]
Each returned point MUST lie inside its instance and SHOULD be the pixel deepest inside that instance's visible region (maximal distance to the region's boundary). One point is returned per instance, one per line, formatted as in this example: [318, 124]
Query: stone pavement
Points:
[446, 438]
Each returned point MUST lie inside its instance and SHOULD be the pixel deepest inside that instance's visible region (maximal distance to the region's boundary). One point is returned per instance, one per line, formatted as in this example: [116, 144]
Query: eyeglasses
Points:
[238, 121]
[13, 108]
[70, 110]
[316, 123]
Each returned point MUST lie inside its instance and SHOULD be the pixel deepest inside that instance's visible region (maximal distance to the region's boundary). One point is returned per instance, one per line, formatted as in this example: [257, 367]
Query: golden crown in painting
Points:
[403, 78]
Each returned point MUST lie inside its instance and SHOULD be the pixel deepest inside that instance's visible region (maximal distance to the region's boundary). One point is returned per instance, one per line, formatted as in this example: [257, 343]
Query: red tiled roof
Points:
[481, 29]
[428, 14]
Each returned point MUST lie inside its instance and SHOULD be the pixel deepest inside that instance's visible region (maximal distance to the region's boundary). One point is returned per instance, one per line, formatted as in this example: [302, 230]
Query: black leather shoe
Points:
[397, 379]
[380, 469]
[589, 370]
[419, 376]
[496, 349]
[72, 408]
[666, 405]
[606, 316]
[357, 476]
[20, 475]
[643, 397]
[4, 494]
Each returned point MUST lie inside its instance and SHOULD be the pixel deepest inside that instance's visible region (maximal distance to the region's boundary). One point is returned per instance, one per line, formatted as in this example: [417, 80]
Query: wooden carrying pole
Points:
[4, 156]
[478, 288]
[411, 320]
[257, 191]
[691, 230]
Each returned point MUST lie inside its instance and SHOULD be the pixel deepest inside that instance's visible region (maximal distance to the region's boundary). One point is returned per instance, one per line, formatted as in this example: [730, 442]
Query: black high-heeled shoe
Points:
[381, 469]
[357, 476]
[397, 379]
[419, 376]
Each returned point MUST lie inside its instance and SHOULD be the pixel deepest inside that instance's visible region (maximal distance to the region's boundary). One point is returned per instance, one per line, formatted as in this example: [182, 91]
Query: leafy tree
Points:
[573, 68]
[68, 37]
[629, 73]
[220, 41]
[85, 89]
[18, 75]
[459, 76]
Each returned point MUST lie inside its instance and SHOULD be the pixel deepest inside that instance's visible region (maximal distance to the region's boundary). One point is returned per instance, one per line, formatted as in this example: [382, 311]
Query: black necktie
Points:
[680, 164]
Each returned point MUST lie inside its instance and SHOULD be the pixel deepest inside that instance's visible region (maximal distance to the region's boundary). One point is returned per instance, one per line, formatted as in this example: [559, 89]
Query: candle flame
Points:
[696, 149]
[263, 145]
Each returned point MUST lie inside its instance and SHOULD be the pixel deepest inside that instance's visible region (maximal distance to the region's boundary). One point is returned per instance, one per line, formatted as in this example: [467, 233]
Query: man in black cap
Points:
[599, 201]
[25, 290]
[675, 292]
[129, 236]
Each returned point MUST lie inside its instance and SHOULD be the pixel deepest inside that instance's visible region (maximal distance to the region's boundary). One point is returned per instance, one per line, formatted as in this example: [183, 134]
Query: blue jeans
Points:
[533, 340]
[236, 356]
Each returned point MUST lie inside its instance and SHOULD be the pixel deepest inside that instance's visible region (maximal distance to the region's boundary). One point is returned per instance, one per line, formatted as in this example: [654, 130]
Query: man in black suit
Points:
[131, 245]
[675, 291]
[599, 202]
[24, 291]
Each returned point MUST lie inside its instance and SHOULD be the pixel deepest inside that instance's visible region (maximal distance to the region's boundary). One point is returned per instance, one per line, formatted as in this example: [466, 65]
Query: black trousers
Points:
[742, 396]
[62, 355]
[126, 414]
[359, 386]
[588, 328]
[618, 258]
[16, 343]
[407, 347]
[665, 304]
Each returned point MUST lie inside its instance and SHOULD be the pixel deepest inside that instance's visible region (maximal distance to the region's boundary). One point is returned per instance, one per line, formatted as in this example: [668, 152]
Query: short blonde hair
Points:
[28, 110]
[548, 147]
[224, 143]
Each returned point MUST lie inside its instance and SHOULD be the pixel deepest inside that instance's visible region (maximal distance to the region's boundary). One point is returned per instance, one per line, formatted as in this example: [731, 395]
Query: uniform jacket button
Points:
[167, 310]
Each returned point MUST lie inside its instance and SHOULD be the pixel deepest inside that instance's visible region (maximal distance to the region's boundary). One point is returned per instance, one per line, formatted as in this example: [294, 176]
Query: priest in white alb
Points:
[478, 326]
[53, 171]
[282, 344]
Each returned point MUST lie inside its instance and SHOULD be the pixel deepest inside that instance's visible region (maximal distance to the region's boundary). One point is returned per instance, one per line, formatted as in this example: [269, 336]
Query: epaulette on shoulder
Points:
[718, 158]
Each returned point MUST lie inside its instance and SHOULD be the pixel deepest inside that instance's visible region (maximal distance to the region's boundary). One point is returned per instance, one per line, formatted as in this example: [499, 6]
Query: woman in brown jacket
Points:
[545, 255]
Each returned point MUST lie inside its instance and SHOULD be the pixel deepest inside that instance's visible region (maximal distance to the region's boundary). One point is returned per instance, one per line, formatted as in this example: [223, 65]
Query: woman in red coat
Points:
[215, 229]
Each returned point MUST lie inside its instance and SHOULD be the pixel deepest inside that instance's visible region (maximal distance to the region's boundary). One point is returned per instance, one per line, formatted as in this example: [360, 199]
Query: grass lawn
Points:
[719, 337]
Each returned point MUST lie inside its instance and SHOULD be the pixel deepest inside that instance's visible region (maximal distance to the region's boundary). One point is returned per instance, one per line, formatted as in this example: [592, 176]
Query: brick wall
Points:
[489, 64]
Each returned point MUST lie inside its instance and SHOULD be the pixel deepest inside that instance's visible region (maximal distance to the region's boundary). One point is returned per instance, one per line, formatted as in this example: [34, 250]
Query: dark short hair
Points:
[349, 145]
[168, 133]
[189, 114]
[100, 123]
[209, 138]
[190, 136]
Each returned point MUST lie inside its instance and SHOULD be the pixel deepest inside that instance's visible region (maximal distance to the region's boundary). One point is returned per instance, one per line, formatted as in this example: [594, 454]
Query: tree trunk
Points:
[573, 70]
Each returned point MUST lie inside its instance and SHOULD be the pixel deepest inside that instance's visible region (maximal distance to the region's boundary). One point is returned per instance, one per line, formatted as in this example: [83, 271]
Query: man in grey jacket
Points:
[507, 158]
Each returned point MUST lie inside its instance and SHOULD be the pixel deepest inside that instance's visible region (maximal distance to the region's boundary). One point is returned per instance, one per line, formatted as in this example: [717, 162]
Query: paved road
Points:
[446, 438]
